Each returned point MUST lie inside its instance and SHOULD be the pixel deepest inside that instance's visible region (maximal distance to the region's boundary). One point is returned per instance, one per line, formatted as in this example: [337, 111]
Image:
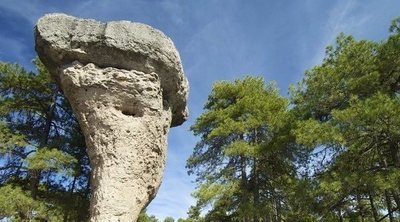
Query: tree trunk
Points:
[256, 186]
[340, 215]
[278, 209]
[389, 206]
[243, 170]
[396, 198]
[373, 208]
[34, 178]
[395, 153]
[256, 191]
[71, 195]
[34, 174]
[244, 183]
[360, 207]
[267, 216]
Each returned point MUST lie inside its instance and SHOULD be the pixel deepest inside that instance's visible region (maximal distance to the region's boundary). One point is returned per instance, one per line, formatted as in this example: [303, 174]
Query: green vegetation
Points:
[334, 155]
[244, 161]
[144, 217]
[330, 152]
[44, 166]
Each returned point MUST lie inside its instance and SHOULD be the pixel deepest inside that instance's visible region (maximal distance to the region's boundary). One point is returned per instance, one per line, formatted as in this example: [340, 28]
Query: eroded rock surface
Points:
[62, 39]
[126, 85]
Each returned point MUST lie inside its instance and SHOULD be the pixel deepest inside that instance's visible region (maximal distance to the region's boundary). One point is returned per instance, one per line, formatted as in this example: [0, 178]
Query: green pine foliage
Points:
[244, 160]
[169, 219]
[331, 154]
[44, 171]
[144, 217]
[348, 110]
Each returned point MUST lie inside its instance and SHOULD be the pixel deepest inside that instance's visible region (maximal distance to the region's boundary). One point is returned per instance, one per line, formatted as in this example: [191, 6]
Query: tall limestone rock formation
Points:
[126, 85]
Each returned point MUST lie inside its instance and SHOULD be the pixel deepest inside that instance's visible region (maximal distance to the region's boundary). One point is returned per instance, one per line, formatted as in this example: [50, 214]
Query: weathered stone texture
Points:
[62, 39]
[126, 85]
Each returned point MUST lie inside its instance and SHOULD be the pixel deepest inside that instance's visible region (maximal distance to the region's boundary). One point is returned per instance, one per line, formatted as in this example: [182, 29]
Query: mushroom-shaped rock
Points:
[126, 85]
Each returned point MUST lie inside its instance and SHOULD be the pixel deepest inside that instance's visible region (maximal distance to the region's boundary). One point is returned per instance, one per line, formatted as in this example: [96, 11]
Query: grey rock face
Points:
[62, 39]
[126, 85]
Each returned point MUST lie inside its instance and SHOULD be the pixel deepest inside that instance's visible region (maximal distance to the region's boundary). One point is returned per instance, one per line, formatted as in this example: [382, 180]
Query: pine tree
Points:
[244, 158]
[349, 109]
[44, 171]
[144, 217]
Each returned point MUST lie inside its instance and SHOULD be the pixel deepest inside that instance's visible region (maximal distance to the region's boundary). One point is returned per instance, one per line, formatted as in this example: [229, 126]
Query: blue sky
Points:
[217, 40]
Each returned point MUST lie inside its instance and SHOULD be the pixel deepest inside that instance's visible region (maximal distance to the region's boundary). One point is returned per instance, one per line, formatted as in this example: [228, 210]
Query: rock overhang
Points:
[62, 39]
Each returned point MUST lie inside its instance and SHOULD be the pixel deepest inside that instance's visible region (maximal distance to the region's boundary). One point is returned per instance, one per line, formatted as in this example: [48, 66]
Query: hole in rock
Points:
[132, 110]
[128, 113]
[165, 101]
